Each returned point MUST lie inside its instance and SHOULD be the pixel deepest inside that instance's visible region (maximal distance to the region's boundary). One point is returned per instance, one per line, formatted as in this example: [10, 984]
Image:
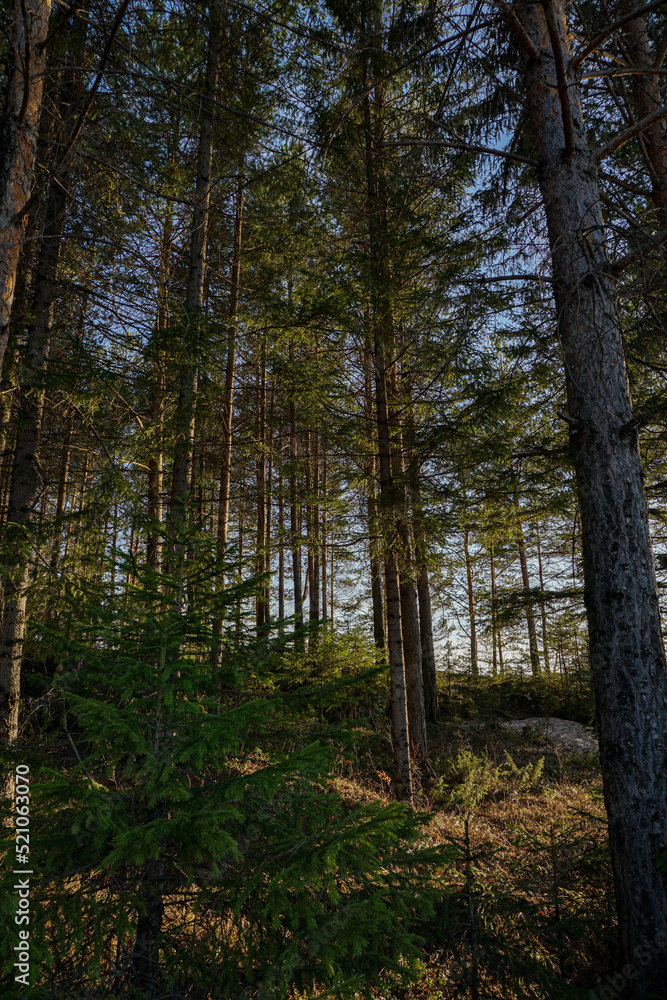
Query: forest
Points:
[333, 499]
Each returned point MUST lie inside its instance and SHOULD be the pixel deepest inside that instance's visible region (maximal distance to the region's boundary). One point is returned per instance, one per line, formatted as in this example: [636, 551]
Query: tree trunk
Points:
[412, 651]
[497, 648]
[429, 674]
[294, 510]
[382, 341]
[281, 536]
[19, 132]
[268, 545]
[530, 617]
[27, 473]
[626, 647]
[543, 607]
[260, 479]
[647, 100]
[230, 367]
[324, 533]
[371, 506]
[228, 409]
[155, 462]
[314, 611]
[474, 659]
[194, 318]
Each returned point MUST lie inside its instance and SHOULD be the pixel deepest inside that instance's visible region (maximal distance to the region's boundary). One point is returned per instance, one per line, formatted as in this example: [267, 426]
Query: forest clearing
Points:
[333, 492]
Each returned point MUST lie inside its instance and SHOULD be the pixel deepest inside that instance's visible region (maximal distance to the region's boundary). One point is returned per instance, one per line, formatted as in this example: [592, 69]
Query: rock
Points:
[572, 736]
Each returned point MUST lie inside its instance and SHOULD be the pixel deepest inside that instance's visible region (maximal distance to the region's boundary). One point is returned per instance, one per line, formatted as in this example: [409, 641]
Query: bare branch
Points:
[610, 147]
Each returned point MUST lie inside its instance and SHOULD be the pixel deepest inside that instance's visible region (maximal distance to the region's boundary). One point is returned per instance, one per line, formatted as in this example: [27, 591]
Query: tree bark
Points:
[19, 132]
[626, 647]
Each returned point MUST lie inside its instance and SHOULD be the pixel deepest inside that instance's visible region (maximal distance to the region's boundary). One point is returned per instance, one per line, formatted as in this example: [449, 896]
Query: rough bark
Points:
[626, 646]
[19, 132]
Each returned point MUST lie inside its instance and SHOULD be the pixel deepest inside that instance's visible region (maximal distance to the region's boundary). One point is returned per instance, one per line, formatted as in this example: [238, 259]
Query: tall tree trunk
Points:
[281, 536]
[24, 281]
[530, 616]
[228, 408]
[260, 479]
[382, 343]
[314, 613]
[194, 312]
[19, 132]
[412, 651]
[647, 100]
[324, 531]
[543, 607]
[155, 462]
[429, 674]
[230, 367]
[268, 545]
[27, 473]
[474, 656]
[294, 509]
[626, 647]
[495, 629]
[372, 511]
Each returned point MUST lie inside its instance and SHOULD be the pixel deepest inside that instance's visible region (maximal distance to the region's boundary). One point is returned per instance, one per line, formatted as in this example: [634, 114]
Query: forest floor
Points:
[529, 911]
